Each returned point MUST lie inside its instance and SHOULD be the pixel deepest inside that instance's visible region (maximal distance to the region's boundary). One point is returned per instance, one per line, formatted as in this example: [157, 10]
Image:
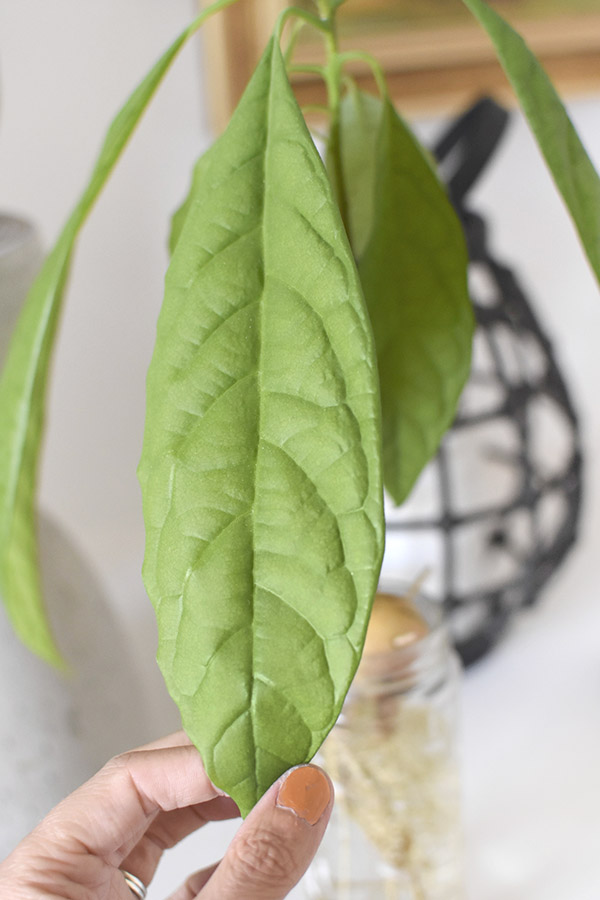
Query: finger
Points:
[177, 739]
[194, 884]
[276, 843]
[171, 827]
[108, 815]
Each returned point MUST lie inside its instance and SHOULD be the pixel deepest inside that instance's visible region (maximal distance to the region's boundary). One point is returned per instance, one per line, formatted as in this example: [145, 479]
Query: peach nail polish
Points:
[306, 792]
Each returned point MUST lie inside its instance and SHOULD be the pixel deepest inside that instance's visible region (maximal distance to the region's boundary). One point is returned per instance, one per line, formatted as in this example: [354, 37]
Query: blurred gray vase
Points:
[56, 729]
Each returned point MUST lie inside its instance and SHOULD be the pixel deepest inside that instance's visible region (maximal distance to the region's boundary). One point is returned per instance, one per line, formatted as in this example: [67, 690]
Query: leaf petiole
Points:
[333, 80]
[296, 12]
[372, 63]
[306, 70]
[297, 27]
[327, 8]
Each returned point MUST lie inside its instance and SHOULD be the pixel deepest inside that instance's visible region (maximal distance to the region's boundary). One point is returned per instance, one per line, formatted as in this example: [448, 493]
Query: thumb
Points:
[273, 848]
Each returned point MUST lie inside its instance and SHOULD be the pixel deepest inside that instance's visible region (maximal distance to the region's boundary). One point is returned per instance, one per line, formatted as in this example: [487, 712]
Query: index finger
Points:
[109, 814]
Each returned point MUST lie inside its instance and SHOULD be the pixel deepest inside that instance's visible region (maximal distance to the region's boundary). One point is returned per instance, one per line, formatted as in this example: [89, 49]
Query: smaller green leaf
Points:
[567, 159]
[360, 120]
[414, 275]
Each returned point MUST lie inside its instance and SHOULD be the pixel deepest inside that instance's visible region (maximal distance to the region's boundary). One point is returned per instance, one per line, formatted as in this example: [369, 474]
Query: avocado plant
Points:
[312, 345]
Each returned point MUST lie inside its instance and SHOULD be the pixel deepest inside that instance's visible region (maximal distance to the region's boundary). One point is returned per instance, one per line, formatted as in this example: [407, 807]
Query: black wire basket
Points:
[495, 513]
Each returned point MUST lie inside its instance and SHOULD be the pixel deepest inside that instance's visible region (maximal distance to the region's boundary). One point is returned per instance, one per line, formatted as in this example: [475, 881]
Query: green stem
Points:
[329, 6]
[296, 12]
[363, 56]
[307, 70]
[326, 9]
[332, 75]
[333, 78]
[292, 41]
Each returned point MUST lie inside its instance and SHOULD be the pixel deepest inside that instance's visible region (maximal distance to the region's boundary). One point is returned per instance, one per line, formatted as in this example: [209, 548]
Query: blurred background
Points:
[531, 710]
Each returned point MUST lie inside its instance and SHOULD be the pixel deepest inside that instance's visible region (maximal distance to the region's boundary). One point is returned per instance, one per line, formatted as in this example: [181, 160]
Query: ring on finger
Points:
[137, 887]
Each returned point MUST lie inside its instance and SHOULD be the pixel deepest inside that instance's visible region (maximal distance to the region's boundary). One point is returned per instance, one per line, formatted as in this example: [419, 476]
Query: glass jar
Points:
[395, 831]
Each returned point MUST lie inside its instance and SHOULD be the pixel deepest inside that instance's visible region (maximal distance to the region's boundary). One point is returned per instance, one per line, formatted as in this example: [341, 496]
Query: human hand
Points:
[145, 801]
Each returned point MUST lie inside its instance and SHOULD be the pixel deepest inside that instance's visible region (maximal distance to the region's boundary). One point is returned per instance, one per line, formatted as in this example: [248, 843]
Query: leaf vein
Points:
[301, 469]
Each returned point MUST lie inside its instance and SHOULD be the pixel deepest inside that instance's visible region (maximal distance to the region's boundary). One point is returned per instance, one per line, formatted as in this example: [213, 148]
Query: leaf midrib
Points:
[260, 329]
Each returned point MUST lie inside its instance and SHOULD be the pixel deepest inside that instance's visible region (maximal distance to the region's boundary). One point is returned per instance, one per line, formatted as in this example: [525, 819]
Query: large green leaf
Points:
[360, 122]
[23, 384]
[414, 275]
[571, 167]
[260, 470]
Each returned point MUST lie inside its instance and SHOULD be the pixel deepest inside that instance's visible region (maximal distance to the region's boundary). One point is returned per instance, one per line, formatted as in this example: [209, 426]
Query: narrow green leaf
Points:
[23, 387]
[260, 469]
[567, 159]
[414, 275]
[360, 121]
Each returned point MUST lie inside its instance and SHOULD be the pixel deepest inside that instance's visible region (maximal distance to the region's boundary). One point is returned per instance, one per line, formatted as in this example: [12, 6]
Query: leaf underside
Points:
[23, 389]
[360, 123]
[414, 275]
[260, 473]
[572, 170]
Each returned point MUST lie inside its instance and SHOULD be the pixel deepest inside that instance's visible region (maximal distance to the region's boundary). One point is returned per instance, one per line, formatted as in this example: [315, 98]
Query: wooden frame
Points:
[429, 69]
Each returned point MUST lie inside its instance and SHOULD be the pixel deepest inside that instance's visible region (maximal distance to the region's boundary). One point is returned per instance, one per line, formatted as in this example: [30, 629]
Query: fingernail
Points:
[306, 792]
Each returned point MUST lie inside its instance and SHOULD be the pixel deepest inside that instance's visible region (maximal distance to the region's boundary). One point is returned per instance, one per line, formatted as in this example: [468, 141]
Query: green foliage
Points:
[567, 159]
[260, 469]
[413, 272]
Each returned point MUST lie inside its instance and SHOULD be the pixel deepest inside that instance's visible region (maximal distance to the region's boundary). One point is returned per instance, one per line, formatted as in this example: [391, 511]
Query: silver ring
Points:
[137, 887]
